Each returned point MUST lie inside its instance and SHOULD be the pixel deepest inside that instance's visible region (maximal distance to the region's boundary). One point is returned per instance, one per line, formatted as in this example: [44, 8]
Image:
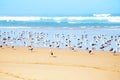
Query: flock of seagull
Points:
[70, 41]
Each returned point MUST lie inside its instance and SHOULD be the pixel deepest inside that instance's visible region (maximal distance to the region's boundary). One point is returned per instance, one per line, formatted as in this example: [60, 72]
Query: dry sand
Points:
[22, 64]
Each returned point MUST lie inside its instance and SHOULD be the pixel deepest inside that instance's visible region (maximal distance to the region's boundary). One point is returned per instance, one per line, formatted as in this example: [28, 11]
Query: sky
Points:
[58, 7]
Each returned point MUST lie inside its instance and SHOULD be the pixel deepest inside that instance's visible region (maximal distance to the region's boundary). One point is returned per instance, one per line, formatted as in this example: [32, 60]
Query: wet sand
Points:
[19, 63]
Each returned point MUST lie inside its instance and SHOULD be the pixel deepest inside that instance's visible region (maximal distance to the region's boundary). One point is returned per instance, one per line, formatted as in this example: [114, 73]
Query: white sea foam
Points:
[60, 19]
[16, 18]
[103, 15]
[15, 27]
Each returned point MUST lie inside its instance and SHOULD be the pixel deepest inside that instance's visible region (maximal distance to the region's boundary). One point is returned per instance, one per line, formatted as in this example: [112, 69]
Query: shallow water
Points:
[61, 37]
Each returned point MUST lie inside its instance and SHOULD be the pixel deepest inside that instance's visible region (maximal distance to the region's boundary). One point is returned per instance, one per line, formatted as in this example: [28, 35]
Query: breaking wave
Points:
[97, 20]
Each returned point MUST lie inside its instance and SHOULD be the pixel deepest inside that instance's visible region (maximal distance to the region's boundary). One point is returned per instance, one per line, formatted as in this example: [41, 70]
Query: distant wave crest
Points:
[95, 20]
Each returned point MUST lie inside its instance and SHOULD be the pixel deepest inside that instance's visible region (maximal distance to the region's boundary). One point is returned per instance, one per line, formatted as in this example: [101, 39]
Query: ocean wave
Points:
[17, 18]
[65, 21]
[15, 27]
[98, 18]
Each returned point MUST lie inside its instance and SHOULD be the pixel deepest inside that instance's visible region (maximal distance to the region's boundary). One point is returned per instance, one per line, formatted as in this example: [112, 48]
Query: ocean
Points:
[96, 21]
[88, 32]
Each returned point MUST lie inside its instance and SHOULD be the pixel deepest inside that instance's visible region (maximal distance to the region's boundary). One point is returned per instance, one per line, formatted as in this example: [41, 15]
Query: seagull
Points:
[111, 49]
[1, 46]
[90, 51]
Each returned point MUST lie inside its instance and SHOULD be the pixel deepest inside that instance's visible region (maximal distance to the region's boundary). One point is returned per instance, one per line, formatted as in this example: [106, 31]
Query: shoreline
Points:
[48, 48]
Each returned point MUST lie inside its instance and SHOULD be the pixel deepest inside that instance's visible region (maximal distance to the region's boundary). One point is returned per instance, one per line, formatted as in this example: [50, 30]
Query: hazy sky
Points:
[58, 7]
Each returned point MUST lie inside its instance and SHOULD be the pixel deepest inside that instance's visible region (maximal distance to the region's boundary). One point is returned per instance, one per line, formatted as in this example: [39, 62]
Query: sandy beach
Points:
[59, 40]
[19, 63]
